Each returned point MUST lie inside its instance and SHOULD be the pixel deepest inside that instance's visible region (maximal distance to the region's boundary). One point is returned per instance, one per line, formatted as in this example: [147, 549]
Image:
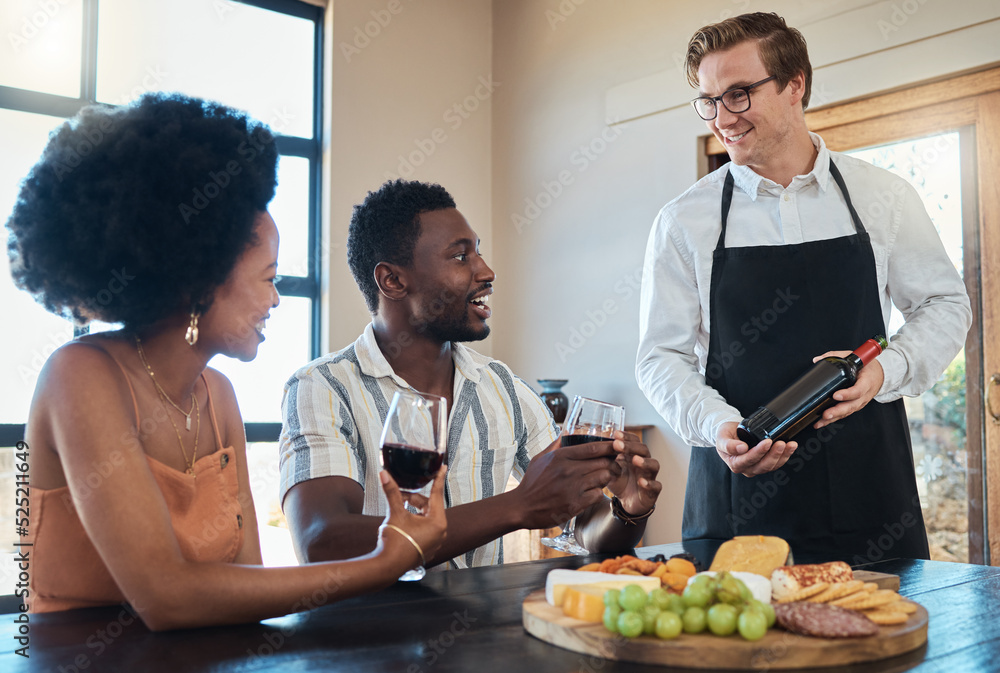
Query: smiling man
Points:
[417, 263]
[811, 251]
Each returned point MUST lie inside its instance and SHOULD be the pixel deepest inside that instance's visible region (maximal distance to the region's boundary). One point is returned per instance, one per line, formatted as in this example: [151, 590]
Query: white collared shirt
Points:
[334, 408]
[912, 268]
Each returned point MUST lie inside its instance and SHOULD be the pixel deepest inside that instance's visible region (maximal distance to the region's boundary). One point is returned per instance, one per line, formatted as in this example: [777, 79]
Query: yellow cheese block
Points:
[584, 602]
[557, 581]
[758, 554]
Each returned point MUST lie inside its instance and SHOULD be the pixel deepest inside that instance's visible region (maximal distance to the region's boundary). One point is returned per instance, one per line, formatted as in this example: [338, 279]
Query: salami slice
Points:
[823, 621]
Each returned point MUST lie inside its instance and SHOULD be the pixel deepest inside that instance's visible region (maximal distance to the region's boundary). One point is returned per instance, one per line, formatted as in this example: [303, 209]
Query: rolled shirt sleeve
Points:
[540, 430]
[924, 285]
[319, 435]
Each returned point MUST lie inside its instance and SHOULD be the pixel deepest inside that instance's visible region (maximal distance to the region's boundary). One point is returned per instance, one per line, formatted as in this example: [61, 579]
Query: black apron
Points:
[849, 491]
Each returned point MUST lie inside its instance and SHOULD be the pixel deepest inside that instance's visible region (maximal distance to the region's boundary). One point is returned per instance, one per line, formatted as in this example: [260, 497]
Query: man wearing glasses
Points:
[789, 252]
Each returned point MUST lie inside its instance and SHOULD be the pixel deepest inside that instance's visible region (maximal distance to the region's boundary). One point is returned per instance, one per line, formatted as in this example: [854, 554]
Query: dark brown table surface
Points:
[461, 620]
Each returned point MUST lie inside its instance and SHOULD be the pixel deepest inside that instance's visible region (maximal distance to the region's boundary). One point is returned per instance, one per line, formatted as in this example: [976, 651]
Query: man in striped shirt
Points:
[417, 262]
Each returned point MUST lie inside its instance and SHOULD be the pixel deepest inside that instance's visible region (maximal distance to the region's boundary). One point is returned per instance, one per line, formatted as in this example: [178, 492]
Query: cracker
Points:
[886, 617]
[805, 592]
[903, 605]
[863, 600]
[848, 598]
[869, 586]
[837, 590]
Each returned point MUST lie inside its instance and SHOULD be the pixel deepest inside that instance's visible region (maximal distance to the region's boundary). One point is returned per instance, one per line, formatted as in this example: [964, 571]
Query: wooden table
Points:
[461, 620]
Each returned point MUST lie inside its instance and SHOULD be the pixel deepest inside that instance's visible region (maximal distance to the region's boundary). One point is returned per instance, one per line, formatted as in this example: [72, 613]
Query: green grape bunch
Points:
[721, 605]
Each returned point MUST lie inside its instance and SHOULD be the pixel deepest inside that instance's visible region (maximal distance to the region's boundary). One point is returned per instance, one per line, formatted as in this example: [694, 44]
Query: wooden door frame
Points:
[970, 100]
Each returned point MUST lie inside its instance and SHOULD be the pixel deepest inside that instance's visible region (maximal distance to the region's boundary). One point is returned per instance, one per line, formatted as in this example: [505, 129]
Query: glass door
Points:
[937, 418]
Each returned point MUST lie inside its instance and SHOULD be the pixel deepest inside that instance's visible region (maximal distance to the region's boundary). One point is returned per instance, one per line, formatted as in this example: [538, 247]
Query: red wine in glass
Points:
[411, 467]
[588, 421]
[574, 440]
[414, 444]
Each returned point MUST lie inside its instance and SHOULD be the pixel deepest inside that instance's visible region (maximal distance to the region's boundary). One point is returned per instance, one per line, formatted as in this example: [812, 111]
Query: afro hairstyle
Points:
[385, 228]
[135, 213]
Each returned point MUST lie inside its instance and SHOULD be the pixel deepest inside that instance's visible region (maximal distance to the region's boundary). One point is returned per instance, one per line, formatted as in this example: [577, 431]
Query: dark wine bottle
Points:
[801, 403]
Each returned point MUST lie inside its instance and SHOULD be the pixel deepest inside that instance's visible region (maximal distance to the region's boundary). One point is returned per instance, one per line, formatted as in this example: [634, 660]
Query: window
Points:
[262, 56]
[933, 166]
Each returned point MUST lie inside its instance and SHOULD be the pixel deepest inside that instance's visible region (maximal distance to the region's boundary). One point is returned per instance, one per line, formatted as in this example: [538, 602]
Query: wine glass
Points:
[414, 445]
[588, 421]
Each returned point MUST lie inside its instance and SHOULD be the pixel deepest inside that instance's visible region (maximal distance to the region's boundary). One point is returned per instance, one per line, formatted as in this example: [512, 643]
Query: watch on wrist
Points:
[628, 519]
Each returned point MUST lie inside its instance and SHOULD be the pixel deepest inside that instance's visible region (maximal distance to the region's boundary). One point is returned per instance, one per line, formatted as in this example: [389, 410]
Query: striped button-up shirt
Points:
[334, 409]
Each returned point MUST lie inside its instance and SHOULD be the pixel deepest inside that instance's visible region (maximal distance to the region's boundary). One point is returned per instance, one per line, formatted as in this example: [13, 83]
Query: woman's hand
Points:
[429, 528]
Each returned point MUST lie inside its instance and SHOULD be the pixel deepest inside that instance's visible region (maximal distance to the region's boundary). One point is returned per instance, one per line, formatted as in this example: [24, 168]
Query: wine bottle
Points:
[799, 405]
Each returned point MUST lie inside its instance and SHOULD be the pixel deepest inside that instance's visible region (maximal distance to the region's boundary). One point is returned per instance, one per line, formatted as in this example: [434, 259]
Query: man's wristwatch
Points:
[628, 519]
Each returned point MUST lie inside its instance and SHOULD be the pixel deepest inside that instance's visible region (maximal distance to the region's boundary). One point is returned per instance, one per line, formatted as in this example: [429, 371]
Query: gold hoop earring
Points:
[191, 336]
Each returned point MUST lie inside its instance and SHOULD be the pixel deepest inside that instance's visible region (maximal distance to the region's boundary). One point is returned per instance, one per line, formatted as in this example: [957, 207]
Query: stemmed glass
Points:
[414, 445]
[588, 421]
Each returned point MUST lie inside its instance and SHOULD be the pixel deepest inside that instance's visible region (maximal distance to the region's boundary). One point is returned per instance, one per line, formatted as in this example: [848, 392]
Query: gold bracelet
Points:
[423, 560]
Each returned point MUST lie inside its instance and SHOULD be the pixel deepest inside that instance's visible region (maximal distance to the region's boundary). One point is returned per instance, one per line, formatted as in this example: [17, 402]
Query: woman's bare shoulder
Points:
[79, 384]
[82, 360]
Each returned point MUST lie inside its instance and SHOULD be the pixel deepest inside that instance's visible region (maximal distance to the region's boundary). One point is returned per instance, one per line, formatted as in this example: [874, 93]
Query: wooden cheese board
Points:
[777, 650]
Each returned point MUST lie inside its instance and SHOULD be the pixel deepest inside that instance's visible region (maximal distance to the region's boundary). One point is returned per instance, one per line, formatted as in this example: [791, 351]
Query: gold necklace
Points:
[159, 389]
[194, 408]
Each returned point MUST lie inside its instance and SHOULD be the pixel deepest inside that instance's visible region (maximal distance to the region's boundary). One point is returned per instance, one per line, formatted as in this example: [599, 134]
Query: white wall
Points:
[397, 69]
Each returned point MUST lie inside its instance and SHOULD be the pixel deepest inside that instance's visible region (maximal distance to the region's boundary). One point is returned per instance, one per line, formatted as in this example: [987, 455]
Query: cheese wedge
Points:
[758, 585]
[584, 602]
[759, 554]
[557, 581]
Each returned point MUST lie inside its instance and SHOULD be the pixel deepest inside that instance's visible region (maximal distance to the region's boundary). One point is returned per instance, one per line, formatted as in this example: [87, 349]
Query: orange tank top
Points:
[207, 518]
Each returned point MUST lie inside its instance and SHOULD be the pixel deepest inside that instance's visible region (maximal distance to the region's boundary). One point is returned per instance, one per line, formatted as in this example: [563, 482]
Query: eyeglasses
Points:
[736, 100]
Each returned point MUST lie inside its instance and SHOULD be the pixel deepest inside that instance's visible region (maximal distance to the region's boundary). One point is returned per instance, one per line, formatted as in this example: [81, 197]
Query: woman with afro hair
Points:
[155, 216]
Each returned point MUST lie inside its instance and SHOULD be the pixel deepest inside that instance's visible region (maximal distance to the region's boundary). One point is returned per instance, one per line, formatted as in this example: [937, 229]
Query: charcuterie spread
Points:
[663, 611]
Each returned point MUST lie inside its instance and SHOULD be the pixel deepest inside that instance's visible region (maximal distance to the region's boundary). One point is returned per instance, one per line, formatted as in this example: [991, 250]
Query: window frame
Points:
[311, 149]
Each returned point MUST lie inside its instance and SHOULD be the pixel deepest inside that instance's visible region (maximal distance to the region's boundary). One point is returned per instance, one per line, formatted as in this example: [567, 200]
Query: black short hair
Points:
[385, 228]
[134, 213]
